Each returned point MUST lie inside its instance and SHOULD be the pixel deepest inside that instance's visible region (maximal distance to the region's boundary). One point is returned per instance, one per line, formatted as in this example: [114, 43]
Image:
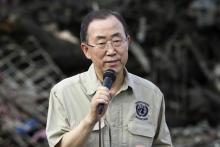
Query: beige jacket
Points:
[135, 116]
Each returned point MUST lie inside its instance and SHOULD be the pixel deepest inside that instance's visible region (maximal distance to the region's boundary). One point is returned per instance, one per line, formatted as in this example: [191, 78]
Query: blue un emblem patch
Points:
[141, 110]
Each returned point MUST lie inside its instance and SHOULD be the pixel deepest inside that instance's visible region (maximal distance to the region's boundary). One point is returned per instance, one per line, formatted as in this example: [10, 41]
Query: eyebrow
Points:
[100, 37]
[117, 35]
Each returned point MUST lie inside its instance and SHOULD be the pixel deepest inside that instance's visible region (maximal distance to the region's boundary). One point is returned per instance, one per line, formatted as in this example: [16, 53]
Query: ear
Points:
[85, 50]
[129, 39]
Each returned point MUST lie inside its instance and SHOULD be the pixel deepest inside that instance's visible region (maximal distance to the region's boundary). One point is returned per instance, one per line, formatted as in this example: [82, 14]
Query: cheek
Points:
[124, 56]
[97, 56]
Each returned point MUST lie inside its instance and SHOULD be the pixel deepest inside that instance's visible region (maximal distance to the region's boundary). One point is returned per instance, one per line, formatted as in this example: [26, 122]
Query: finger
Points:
[101, 101]
[103, 87]
[104, 98]
[103, 94]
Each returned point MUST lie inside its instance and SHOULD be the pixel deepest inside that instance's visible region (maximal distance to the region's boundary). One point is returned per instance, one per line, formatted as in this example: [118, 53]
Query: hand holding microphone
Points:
[108, 78]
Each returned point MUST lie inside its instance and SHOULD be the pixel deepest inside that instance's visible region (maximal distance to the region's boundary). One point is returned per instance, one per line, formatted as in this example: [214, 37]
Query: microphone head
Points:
[109, 73]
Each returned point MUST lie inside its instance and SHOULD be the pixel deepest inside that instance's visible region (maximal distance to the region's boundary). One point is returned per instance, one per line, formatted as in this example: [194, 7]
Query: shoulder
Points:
[68, 84]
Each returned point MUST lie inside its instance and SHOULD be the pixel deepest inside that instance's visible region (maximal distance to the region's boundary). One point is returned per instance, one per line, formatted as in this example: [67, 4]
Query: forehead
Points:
[105, 27]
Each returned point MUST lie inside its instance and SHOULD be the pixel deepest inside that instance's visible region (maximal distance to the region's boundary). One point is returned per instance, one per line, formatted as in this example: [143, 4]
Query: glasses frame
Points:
[111, 42]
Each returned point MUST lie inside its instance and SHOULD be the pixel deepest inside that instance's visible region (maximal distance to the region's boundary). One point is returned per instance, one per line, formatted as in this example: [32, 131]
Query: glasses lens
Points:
[114, 43]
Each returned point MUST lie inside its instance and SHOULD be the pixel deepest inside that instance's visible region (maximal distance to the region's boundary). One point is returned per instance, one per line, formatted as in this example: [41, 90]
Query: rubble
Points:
[175, 45]
[27, 76]
[200, 135]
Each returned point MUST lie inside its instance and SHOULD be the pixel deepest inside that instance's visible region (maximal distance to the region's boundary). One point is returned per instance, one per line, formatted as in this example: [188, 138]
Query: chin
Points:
[116, 68]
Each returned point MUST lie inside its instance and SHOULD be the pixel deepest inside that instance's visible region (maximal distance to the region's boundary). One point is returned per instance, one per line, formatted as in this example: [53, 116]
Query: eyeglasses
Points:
[114, 42]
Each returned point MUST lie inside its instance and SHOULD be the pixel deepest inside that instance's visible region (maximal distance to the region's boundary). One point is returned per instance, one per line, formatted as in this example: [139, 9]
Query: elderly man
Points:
[133, 112]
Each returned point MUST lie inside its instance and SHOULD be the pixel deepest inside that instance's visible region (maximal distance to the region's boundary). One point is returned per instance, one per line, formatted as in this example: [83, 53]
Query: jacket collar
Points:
[92, 81]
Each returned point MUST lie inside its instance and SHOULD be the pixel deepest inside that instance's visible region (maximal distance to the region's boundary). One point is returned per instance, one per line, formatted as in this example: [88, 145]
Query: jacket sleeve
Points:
[57, 122]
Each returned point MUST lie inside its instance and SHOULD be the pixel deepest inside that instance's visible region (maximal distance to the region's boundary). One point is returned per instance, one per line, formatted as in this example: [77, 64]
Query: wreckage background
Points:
[175, 45]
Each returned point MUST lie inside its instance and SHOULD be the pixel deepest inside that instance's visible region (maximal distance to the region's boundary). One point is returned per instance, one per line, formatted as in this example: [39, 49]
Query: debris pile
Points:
[201, 135]
[175, 44]
[26, 77]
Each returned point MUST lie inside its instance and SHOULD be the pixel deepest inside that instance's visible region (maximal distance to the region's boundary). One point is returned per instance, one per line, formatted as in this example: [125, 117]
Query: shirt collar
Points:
[128, 81]
[92, 81]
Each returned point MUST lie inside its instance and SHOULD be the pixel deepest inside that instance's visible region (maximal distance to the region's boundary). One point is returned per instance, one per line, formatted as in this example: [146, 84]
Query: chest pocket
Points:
[140, 134]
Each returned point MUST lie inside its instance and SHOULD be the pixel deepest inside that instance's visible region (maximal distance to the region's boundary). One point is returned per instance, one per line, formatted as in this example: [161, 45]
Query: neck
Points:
[117, 84]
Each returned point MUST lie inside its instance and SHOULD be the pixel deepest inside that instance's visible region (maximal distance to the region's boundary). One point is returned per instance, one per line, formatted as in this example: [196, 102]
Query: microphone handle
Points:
[101, 108]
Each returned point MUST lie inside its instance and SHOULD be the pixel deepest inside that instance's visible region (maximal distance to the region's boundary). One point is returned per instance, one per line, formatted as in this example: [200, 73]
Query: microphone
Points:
[108, 78]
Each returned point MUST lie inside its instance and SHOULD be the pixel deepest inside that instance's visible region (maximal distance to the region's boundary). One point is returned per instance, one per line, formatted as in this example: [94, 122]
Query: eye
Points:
[117, 41]
[101, 43]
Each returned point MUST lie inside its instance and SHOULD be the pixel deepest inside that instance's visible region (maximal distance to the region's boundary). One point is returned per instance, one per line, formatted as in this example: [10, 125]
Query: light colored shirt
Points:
[135, 115]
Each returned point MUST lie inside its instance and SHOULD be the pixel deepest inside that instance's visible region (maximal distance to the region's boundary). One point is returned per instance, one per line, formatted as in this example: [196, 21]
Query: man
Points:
[133, 107]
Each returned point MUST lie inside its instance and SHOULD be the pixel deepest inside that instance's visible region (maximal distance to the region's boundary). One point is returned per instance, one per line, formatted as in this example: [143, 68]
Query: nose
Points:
[110, 49]
[109, 43]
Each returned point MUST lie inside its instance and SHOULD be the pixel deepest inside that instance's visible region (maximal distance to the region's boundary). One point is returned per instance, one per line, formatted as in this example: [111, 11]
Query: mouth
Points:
[112, 63]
